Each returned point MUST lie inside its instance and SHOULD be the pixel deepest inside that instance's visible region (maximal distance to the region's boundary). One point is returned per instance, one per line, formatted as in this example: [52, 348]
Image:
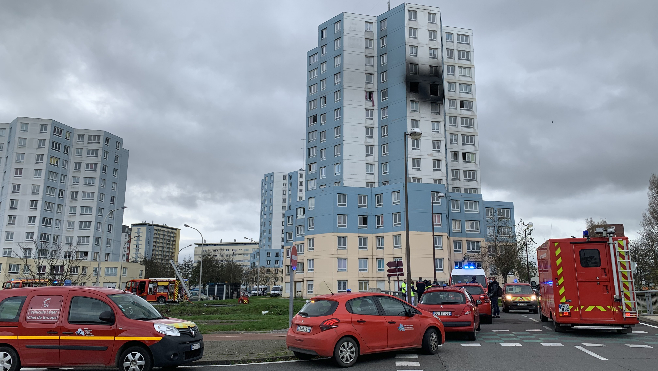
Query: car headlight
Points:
[166, 329]
[533, 297]
[508, 297]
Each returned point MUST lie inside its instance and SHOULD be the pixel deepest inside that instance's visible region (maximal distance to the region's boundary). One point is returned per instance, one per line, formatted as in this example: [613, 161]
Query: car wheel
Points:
[346, 352]
[161, 300]
[473, 335]
[303, 356]
[9, 359]
[431, 341]
[557, 328]
[542, 317]
[135, 359]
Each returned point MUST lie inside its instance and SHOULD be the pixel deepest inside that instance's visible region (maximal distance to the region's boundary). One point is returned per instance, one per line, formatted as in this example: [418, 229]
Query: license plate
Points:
[196, 346]
[443, 313]
[564, 308]
[303, 329]
[521, 304]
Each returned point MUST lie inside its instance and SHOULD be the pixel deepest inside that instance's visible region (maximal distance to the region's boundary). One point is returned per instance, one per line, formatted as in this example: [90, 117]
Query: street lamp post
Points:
[200, 260]
[100, 248]
[527, 227]
[414, 134]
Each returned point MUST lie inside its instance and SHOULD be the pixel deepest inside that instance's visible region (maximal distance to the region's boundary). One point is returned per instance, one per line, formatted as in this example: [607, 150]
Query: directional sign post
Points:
[293, 268]
[395, 270]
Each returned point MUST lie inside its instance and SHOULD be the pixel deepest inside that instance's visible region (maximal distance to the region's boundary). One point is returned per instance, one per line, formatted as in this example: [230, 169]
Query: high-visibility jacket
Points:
[403, 287]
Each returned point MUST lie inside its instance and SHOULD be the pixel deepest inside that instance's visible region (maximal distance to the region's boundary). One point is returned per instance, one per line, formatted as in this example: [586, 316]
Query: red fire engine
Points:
[161, 290]
[587, 282]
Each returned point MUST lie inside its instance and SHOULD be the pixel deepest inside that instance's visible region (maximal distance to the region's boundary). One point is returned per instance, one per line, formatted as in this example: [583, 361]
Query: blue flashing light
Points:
[516, 281]
[294, 268]
[585, 234]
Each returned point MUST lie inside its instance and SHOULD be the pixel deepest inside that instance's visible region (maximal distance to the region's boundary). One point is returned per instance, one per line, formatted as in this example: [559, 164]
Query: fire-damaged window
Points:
[414, 87]
[434, 90]
[590, 258]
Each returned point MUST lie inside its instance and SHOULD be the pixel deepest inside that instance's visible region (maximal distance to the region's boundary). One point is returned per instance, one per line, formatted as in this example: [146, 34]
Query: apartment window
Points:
[363, 265]
[370, 114]
[382, 24]
[438, 242]
[413, 50]
[489, 212]
[397, 241]
[449, 36]
[323, 33]
[452, 103]
[311, 74]
[504, 213]
[363, 221]
[436, 220]
[370, 133]
[470, 175]
[310, 242]
[438, 264]
[323, 69]
[370, 61]
[337, 148]
[432, 35]
[337, 78]
[415, 163]
[397, 219]
[395, 197]
[450, 53]
[384, 168]
[313, 58]
[15, 188]
[465, 88]
[467, 122]
[434, 53]
[468, 139]
[464, 55]
[436, 198]
[456, 225]
[384, 94]
[337, 114]
[466, 105]
[413, 15]
[384, 130]
[413, 33]
[9, 236]
[468, 158]
[456, 245]
[20, 157]
[342, 242]
[384, 112]
[472, 226]
[93, 138]
[463, 39]
[337, 60]
[431, 17]
[337, 96]
[342, 221]
[473, 246]
[370, 43]
[450, 70]
[464, 71]
[414, 105]
[413, 68]
[415, 144]
[337, 44]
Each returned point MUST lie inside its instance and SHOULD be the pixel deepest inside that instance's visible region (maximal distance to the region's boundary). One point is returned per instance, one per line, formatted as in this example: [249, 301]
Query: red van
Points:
[63, 326]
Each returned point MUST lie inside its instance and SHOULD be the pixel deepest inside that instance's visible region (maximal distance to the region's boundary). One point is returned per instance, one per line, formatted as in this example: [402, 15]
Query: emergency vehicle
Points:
[519, 296]
[18, 283]
[465, 275]
[159, 290]
[587, 282]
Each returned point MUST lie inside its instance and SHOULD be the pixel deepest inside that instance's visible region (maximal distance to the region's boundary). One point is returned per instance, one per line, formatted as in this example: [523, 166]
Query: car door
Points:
[86, 339]
[368, 322]
[594, 280]
[402, 330]
[39, 331]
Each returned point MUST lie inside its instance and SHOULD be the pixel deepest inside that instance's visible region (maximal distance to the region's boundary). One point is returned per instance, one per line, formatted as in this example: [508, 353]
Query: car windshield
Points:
[474, 290]
[443, 297]
[318, 308]
[519, 289]
[468, 279]
[135, 307]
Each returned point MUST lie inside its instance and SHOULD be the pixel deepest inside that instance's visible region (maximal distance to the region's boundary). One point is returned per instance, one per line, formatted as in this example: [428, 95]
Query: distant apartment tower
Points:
[154, 241]
[237, 251]
[125, 243]
[61, 186]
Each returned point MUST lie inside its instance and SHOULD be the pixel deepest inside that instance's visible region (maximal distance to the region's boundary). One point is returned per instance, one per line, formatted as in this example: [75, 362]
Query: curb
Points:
[649, 320]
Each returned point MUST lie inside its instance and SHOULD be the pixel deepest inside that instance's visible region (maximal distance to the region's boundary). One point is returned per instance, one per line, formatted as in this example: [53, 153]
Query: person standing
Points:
[495, 291]
[403, 288]
[420, 287]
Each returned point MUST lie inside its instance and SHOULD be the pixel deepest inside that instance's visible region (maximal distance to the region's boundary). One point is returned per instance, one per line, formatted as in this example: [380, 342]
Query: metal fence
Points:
[647, 301]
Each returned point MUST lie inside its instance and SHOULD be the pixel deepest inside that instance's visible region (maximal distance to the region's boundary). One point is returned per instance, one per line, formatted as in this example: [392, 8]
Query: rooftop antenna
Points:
[389, 4]
[325, 283]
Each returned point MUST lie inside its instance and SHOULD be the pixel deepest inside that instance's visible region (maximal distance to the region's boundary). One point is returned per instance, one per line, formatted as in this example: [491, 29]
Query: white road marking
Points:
[500, 330]
[534, 320]
[639, 332]
[639, 346]
[510, 344]
[646, 324]
[552, 344]
[406, 356]
[534, 329]
[406, 364]
[548, 328]
[471, 344]
[592, 345]
[591, 353]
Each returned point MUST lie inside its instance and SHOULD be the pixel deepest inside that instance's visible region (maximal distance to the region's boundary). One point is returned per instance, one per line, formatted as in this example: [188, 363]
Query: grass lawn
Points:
[231, 316]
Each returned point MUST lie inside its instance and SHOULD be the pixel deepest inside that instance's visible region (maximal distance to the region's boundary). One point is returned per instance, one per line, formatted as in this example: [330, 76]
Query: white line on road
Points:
[592, 345]
[406, 364]
[548, 328]
[639, 346]
[552, 344]
[639, 332]
[646, 324]
[510, 344]
[532, 319]
[534, 329]
[406, 356]
[500, 330]
[591, 353]
[471, 344]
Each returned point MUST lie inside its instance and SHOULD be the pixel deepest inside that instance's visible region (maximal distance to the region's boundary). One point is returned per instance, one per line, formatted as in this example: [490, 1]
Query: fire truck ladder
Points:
[624, 276]
[180, 278]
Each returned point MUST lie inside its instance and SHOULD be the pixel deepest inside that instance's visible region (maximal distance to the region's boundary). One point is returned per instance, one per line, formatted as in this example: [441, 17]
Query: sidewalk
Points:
[244, 347]
[650, 319]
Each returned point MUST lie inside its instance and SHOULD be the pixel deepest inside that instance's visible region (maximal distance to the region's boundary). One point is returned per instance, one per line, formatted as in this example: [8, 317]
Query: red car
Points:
[455, 307]
[479, 293]
[346, 325]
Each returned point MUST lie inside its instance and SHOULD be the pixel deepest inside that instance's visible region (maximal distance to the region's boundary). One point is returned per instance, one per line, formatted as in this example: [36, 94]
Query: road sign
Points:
[293, 258]
[395, 268]
[395, 263]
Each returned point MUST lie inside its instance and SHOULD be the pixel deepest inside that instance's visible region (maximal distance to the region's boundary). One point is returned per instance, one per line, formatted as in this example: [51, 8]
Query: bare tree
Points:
[644, 251]
[53, 263]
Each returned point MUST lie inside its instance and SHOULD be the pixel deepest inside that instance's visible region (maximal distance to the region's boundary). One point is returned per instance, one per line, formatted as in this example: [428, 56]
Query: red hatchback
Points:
[455, 307]
[479, 293]
[346, 325]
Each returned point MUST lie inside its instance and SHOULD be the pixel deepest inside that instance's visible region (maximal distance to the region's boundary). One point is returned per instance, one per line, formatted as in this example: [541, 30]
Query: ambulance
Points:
[587, 283]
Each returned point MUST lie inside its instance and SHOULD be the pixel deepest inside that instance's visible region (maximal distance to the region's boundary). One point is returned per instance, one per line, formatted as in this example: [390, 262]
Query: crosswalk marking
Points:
[592, 345]
[471, 344]
[639, 346]
[406, 356]
[552, 344]
[534, 329]
[500, 330]
[591, 353]
[510, 344]
[534, 320]
[548, 328]
[406, 364]
[639, 332]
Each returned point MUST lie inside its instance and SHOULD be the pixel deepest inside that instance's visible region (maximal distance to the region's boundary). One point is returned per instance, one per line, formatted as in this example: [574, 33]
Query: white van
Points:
[276, 291]
[465, 275]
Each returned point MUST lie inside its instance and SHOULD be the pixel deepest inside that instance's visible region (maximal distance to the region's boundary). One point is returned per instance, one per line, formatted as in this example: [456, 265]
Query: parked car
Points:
[479, 293]
[276, 291]
[76, 326]
[346, 325]
[195, 296]
[455, 307]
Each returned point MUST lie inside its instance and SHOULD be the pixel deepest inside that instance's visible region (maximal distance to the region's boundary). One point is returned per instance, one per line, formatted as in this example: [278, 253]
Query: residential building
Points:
[62, 188]
[158, 242]
[239, 252]
[370, 81]
[125, 243]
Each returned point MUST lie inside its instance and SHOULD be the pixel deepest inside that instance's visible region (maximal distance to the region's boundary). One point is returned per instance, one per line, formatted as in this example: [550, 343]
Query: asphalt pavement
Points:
[517, 340]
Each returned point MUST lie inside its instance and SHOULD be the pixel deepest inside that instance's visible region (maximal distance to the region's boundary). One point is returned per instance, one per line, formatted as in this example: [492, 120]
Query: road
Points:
[515, 341]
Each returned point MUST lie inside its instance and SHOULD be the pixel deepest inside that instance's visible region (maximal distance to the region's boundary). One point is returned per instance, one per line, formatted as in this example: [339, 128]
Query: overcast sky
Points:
[210, 95]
